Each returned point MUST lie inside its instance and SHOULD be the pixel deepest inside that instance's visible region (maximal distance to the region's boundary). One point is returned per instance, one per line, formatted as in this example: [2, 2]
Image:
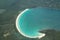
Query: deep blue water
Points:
[38, 19]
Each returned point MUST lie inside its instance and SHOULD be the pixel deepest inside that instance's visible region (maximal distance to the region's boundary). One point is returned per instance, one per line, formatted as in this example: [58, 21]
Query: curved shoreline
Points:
[17, 26]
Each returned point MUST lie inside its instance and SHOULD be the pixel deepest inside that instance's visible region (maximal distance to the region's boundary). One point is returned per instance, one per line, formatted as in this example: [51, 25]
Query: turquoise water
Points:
[38, 19]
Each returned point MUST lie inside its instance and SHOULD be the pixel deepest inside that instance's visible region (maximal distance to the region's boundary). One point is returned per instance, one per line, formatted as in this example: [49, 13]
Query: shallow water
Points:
[38, 19]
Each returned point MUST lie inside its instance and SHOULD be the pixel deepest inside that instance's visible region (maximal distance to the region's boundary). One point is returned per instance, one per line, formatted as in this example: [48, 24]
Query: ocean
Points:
[37, 19]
